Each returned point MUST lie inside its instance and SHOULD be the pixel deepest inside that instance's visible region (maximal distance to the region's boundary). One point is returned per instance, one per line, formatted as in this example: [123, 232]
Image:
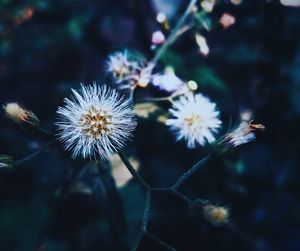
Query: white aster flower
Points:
[168, 81]
[121, 66]
[195, 119]
[96, 121]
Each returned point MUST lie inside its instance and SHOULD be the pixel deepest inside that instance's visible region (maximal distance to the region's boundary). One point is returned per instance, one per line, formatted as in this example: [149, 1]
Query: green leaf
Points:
[207, 78]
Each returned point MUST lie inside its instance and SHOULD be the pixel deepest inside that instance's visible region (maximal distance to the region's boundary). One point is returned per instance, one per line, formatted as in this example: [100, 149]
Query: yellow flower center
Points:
[95, 123]
[194, 118]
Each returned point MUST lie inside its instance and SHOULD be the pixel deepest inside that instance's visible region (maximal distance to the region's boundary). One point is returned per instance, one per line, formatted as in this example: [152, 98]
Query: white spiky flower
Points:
[195, 119]
[121, 66]
[95, 122]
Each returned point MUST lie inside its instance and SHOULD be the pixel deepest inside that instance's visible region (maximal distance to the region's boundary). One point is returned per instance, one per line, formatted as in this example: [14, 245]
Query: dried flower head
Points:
[242, 134]
[21, 116]
[121, 66]
[195, 119]
[216, 215]
[168, 81]
[96, 121]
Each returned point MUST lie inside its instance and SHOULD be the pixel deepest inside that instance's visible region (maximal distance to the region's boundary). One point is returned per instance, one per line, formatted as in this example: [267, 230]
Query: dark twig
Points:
[33, 155]
[160, 242]
[143, 228]
[45, 132]
[190, 172]
[132, 170]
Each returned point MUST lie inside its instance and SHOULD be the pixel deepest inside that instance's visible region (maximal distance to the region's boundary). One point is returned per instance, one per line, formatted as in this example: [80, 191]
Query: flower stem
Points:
[149, 100]
[144, 225]
[131, 169]
[190, 172]
[174, 34]
[33, 155]
[160, 242]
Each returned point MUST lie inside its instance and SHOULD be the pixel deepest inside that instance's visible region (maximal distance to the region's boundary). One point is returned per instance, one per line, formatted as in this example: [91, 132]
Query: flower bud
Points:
[202, 43]
[158, 38]
[208, 5]
[216, 215]
[21, 116]
[227, 20]
[243, 134]
[6, 161]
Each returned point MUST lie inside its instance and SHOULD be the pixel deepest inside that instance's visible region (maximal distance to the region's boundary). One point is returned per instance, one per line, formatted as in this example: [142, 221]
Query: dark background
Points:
[46, 47]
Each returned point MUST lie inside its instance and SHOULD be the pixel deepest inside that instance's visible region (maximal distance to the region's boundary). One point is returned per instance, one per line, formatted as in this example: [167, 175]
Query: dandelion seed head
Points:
[95, 122]
[194, 119]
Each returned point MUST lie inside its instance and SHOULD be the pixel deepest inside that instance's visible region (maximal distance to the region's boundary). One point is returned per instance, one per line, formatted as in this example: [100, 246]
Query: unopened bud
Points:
[227, 20]
[192, 85]
[158, 38]
[21, 116]
[208, 5]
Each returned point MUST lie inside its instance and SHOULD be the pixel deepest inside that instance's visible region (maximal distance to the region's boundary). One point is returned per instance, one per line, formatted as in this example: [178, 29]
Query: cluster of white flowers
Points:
[98, 121]
[130, 73]
[95, 122]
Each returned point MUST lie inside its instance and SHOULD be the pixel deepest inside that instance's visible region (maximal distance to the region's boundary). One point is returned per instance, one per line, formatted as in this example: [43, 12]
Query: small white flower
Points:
[195, 119]
[121, 66]
[167, 81]
[96, 121]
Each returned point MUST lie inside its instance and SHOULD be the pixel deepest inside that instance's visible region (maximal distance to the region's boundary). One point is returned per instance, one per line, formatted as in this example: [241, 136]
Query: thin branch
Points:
[174, 192]
[45, 132]
[160, 242]
[34, 154]
[149, 100]
[174, 34]
[131, 169]
[245, 237]
[190, 172]
[143, 228]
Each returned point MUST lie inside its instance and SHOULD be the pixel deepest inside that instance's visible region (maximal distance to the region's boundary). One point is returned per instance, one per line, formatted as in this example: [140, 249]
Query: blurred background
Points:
[48, 47]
